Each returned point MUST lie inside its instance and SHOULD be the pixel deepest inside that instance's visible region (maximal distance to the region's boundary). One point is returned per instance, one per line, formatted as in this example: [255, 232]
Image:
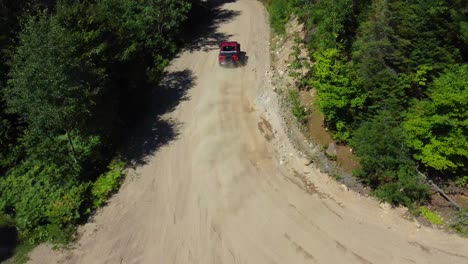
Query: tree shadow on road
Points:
[153, 131]
[208, 18]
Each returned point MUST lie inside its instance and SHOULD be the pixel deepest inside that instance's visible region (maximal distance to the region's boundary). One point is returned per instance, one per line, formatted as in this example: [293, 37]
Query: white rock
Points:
[385, 206]
[306, 161]
[331, 150]
[344, 187]
[417, 224]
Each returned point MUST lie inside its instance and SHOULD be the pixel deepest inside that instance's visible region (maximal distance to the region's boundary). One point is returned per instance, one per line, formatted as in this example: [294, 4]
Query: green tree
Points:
[386, 164]
[75, 73]
[50, 86]
[373, 60]
[132, 40]
[339, 95]
[280, 10]
[459, 13]
[437, 128]
[49, 203]
[371, 53]
[326, 21]
[10, 127]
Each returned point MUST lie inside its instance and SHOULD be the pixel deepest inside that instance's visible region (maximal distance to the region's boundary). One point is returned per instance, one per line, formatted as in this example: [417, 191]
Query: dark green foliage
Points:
[9, 131]
[379, 144]
[385, 161]
[376, 72]
[461, 223]
[51, 87]
[124, 30]
[49, 203]
[280, 11]
[298, 110]
[326, 21]
[407, 188]
[75, 74]
[459, 14]
[10, 127]
[132, 41]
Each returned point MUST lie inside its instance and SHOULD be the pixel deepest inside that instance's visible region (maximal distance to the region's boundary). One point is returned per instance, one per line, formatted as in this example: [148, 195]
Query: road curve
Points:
[208, 187]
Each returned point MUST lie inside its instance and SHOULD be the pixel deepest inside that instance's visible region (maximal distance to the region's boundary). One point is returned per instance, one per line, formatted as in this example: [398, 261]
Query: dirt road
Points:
[209, 187]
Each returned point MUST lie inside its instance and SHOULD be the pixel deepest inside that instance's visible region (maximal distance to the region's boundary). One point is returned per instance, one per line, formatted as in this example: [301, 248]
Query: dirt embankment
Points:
[225, 185]
[312, 138]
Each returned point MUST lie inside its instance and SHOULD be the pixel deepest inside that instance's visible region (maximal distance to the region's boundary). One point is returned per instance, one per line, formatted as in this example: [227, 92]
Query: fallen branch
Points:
[437, 188]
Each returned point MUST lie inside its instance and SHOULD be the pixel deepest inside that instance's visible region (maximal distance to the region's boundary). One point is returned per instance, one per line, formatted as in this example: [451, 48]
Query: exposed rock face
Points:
[331, 150]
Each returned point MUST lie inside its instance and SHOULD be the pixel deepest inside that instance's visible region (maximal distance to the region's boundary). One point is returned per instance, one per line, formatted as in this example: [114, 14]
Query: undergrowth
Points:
[431, 216]
[300, 112]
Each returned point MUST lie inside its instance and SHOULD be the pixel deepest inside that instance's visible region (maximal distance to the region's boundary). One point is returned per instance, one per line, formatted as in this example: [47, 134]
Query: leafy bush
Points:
[461, 223]
[75, 76]
[385, 162]
[406, 58]
[378, 143]
[300, 67]
[298, 110]
[45, 71]
[431, 216]
[49, 204]
[279, 14]
[462, 181]
[6, 220]
[436, 128]
[339, 95]
[405, 187]
[107, 183]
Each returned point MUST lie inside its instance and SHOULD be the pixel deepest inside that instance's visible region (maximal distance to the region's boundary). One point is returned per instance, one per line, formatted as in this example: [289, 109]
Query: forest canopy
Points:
[391, 80]
[72, 76]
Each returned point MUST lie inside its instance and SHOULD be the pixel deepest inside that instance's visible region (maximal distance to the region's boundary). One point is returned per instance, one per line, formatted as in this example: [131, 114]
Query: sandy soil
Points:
[226, 186]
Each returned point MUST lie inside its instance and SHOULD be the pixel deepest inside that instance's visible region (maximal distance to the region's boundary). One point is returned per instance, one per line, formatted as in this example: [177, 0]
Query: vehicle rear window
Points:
[228, 48]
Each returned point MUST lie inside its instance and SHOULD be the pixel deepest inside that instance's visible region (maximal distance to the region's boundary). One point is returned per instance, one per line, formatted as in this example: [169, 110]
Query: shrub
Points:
[378, 144]
[49, 204]
[386, 164]
[431, 216]
[6, 220]
[298, 110]
[340, 96]
[436, 128]
[461, 223]
[107, 183]
[406, 187]
[462, 181]
[279, 15]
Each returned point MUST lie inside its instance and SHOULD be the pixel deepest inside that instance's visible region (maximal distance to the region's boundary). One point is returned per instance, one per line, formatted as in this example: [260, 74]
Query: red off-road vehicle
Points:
[230, 54]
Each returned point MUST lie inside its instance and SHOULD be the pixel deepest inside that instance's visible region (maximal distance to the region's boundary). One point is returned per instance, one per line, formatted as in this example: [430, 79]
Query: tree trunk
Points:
[70, 141]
